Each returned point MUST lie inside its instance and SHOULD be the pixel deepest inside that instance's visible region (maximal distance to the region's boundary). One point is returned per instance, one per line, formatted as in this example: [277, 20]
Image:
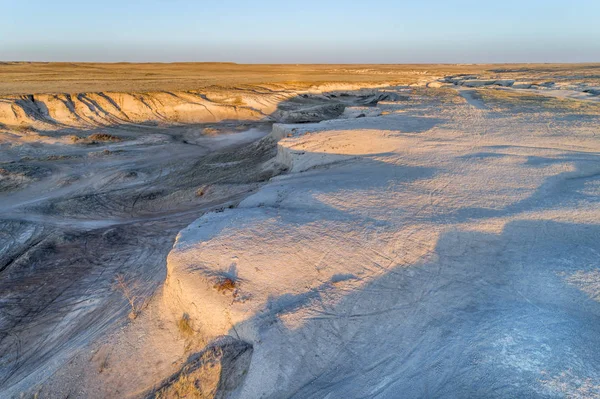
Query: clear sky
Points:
[308, 31]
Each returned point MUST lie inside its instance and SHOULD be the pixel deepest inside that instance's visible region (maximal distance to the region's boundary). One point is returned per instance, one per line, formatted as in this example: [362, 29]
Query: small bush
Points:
[103, 137]
[225, 284]
[185, 325]
[186, 386]
[201, 191]
[58, 157]
[210, 131]
[238, 101]
[22, 128]
[103, 365]
[128, 289]
[95, 138]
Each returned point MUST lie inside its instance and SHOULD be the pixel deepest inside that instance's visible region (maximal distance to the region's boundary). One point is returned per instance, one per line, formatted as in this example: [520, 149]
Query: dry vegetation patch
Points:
[96, 138]
[129, 291]
[218, 369]
[225, 285]
[184, 324]
[509, 100]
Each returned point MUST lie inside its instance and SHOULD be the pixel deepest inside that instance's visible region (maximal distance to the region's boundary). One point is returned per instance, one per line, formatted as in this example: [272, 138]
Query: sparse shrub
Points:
[103, 137]
[36, 395]
[237, 101]
[210, 131]
[128, 291]
[201, 191]
[22, 128]
[186, 386]
[225, 284]
[200, 380]
[58, 157]
[103, 364]
[95, 138]
[185, 325]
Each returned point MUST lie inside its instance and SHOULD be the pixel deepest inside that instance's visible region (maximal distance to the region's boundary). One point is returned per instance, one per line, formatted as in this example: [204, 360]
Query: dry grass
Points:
[104, 137]
[210, 131]
[103, 364]
[188, 387]
[128, 289]
[36, 395]
[237, 101]
[95, 138]
[201, 191]
[225, 285]
[587, 281]
[185, 325]
[504, 100]
[184, 387]
[31, 78]
[22, 128]
[196, 383]
[59, 157]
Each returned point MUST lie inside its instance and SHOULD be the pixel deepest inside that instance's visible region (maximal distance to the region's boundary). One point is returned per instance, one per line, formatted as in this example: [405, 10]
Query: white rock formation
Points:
[421, 252]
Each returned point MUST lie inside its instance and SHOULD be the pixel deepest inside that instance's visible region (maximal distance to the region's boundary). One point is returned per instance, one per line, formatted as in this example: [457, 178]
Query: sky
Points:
[308, 31]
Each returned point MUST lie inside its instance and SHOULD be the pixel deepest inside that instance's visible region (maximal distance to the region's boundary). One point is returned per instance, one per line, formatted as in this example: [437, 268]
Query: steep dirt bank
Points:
[90, 110]
[164, 94]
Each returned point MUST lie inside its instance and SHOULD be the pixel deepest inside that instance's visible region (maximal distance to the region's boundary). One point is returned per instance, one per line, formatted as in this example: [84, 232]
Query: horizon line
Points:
[302, 63]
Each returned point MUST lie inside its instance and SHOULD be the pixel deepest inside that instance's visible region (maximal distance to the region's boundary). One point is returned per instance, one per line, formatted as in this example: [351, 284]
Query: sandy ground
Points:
[434, 240]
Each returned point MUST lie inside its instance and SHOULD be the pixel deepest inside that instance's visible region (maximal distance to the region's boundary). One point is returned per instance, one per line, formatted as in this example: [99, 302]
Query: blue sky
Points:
[308, 31]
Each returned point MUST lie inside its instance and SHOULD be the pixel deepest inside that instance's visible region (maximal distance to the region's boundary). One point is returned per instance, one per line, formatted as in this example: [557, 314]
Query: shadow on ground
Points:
[488, 315]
